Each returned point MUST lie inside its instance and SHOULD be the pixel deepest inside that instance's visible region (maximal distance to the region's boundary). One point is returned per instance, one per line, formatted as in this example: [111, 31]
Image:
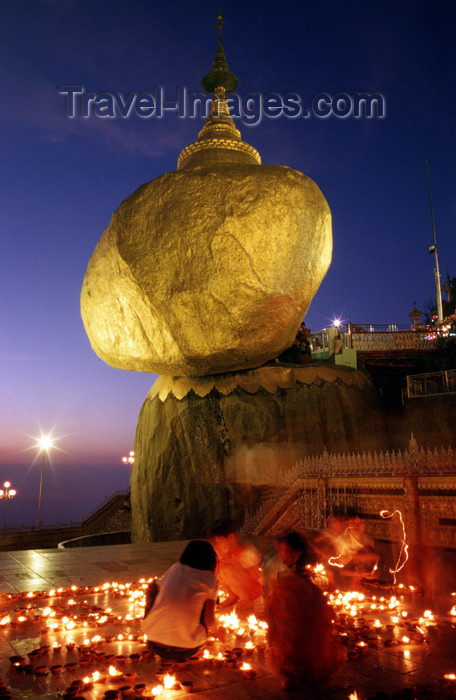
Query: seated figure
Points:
[304, 648]
[357, 557]
[289, 554]
[324, 542]
[180, 605]
[238, 567]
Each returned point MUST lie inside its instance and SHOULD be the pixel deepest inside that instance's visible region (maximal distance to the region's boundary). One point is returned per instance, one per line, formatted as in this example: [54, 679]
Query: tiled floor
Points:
[51, 568]
[378, 672]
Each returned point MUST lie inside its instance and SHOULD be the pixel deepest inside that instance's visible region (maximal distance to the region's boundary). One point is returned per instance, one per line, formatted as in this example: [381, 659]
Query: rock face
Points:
[431, 419]
[202, 446]
[207, 270]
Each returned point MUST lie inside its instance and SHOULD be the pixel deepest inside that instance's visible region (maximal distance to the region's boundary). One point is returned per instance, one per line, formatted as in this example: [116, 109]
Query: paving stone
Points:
[384, 670]
[113, 568]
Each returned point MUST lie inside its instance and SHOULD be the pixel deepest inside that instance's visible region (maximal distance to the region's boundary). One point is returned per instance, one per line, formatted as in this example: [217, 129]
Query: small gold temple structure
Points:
[219, 141]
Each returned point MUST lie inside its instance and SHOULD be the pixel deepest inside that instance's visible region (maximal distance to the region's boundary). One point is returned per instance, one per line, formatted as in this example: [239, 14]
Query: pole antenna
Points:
[433, 251]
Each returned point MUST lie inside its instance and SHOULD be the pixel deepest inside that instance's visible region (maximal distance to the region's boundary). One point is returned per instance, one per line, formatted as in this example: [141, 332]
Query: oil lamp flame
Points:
[169, 681]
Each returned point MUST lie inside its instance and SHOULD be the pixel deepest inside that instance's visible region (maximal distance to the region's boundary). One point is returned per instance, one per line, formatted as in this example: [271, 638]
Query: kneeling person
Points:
[180, 605]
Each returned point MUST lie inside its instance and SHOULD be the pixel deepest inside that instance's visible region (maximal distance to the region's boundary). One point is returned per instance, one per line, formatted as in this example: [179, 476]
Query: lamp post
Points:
[6, 492]
[44, 443]
[130, 459]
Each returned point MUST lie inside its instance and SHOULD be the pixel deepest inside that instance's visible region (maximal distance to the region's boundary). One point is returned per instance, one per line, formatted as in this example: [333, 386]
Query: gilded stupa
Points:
[219, 141]
[212, 267]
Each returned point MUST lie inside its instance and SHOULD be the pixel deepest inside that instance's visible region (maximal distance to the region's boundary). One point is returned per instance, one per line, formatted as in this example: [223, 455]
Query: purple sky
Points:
[62, 179]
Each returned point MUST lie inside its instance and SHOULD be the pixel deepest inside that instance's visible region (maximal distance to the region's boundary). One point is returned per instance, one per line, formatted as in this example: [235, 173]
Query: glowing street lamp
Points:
[6, 492]
[45, 443]
[130, 459]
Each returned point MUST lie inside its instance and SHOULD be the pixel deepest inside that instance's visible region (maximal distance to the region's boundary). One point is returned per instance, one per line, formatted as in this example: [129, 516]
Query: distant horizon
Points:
[69, 492]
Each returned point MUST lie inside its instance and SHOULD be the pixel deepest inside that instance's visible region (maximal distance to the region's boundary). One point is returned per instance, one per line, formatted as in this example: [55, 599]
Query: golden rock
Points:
[210, 268]
[207, 269]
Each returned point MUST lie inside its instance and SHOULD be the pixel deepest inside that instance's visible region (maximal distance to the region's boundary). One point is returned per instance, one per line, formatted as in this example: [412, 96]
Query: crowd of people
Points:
[180, 606]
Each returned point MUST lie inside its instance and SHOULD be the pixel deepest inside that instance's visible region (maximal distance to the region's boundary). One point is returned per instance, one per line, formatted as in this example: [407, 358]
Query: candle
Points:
[169, 681]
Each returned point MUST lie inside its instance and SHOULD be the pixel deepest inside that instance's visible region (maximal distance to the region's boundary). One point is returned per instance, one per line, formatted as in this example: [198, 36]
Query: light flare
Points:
[45, 442]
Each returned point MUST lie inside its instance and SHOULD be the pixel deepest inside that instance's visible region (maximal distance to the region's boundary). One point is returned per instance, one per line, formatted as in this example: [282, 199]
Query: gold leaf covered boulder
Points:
[212, 267]
[207, 269]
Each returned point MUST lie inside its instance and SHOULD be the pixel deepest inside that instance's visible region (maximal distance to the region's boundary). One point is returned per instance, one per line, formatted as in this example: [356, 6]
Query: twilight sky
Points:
[61, 178]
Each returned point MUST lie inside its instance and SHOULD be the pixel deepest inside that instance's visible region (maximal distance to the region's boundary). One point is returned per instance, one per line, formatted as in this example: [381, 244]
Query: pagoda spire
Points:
[219, 141]
[219, 24]
[415, 314]
[219, 76]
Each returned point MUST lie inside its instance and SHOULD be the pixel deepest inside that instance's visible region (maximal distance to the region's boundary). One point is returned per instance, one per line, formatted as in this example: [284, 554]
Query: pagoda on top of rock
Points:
[212, 267]
[203, 275]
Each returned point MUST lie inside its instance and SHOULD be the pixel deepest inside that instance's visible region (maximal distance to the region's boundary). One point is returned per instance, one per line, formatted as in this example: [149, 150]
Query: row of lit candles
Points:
[346, 605]
[230, 621]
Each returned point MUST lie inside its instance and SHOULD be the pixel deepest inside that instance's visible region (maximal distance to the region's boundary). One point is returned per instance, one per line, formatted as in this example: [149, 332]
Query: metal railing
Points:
[431, 384]
[372, 337]
[62, 525]
[395, 340]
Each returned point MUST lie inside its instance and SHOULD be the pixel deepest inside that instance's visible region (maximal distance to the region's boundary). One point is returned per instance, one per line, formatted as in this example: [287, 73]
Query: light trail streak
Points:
[333, 561]
[404, 546]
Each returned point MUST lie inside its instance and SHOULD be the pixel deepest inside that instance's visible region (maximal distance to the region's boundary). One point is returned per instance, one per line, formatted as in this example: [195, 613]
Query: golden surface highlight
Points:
[207, 270]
